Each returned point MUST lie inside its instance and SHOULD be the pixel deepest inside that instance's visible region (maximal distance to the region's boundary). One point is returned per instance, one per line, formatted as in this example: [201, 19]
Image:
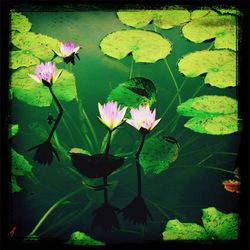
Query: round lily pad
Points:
[33, 93]
[39, 45]
[22, 59]
[145, 46]
[221, 27]
[164, 19]
[157, 154]
[19, 22]
[220, 66]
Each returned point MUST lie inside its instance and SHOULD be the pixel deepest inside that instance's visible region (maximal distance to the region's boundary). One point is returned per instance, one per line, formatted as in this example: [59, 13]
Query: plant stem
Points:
[51, 209]
[220, 169]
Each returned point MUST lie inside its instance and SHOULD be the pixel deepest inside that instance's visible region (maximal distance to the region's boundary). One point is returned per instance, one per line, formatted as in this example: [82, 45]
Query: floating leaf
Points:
[146, 46]
[39, 45]
[97, 165]
[221, 27]
[215, 115]
[80, 238]
[134, 92]
[157, 154]
[22, 59]
[13, 129]
[220, 66]
[33, 93]
[217, 226]
[20, 166]
[14, 186]
[19, 22]
[220, 225]
[164, 19]
[175, 230]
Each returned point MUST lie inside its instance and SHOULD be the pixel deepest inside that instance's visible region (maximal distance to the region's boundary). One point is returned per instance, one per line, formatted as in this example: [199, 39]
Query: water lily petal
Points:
[76, 49]
[34, 77]
[58, 75]
[155, 123]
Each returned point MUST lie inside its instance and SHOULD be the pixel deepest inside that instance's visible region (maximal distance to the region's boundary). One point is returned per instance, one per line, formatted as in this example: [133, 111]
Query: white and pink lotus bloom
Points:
[67, 49]
[143, 118]
[111, 114]
[46, 73]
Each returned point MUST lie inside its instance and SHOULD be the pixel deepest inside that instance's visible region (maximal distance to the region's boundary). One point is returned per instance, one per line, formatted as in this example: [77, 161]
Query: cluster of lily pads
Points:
[211, 114]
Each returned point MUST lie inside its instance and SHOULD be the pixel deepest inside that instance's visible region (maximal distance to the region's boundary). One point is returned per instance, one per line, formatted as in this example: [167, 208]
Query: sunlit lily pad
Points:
[221, 27]
[80, 238]
[39, 45]
[217, 226]
[164, 19]
[220, 66]
[27, 90]
[215, 115]
[19, 22]
[134, 92]
[157, 154]
[14, 186]
[145, 46]
[97, 165]
[13, 129]
[22, 59]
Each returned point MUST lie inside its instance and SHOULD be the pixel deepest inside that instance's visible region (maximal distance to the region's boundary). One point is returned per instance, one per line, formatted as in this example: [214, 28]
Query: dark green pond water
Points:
[179, 192]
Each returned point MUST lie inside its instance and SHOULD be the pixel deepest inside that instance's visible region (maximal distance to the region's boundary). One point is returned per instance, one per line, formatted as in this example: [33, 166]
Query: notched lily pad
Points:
[39, 45]
[217, 226]
[214, 115]
[145, 46]
[164, 19]
[223, 28]
[97, 165]
[157, 154]
[22, 59]
[33, 93]
[19, 22]
[134, 92]
[80, 238]
[220, 66]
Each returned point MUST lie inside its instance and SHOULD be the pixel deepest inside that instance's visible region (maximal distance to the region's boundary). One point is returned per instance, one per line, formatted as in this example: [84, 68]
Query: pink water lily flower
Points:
[67, 49]
[111, 114]
[143, 118]
[46, 73]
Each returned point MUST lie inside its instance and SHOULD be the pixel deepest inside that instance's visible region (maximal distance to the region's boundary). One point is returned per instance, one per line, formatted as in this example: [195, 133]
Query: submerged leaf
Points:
[175, 230]
[221, 27]
[33, 93]
[19, 22]
[164, 19]
[220, 66]
[134, 92]
[80, 238]
[39, 45]
[215, 115]
[13, 129]
[146, 46]
[220, 225]
[157, 154]
[14, 186]
[22, 59]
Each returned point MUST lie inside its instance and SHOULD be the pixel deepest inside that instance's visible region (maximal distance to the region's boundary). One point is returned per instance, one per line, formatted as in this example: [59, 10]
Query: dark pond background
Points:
[180, 192]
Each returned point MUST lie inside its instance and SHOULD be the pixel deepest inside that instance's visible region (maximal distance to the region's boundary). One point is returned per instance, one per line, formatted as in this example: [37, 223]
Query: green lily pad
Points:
[164, 19]
[20, 166]
[13, 129]
[157, 154]
[220, 66]
[220, 225]
[133, 92]
[38, 45]
[145, 46]
[217, 226]
[33, 93]
[175, 230]
[14, 186]
[223, 28]
[232, 10]
[19, 22]
[80, 238]
[22, 59]
[215, 115]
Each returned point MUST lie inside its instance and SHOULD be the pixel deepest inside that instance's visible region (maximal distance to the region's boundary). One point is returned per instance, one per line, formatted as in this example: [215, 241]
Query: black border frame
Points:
[244, 104]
